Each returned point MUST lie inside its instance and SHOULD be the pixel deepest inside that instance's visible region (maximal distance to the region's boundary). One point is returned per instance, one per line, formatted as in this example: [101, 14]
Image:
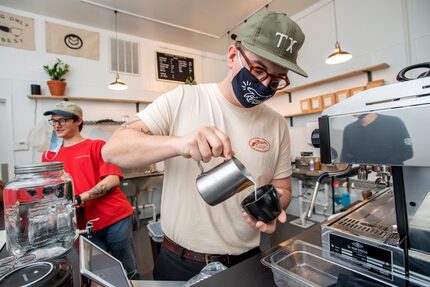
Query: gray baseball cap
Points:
[275, 37]
[66, 109]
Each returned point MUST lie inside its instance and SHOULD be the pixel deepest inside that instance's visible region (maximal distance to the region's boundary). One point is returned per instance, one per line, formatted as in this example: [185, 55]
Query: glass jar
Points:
[317, 164]
[39, 213]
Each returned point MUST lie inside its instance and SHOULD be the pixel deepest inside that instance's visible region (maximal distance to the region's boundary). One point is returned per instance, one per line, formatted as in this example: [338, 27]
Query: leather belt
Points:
[196, 256]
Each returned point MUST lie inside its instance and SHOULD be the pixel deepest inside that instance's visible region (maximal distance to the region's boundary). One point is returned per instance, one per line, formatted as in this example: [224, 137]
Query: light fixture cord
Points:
[335, 19]
[116, 42]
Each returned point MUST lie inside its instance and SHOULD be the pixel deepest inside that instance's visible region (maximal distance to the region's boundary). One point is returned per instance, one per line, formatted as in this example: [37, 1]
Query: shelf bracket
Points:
[289, 99]
[369, 76]
[137, 107]
[291, 121]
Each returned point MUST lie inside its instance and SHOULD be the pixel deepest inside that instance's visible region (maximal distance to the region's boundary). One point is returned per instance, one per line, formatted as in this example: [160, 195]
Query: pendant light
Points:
[338, 56]
[117, 85]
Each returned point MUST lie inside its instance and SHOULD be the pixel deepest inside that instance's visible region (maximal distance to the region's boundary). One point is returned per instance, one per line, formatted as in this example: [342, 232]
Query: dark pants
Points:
[172, 267]
[117, 239]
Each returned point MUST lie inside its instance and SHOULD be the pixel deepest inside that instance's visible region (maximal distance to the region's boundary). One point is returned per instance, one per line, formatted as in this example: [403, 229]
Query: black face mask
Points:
[248, 90]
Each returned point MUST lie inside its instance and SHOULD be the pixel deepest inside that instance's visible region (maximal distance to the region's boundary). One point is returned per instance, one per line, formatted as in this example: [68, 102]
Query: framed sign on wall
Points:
[174, 68]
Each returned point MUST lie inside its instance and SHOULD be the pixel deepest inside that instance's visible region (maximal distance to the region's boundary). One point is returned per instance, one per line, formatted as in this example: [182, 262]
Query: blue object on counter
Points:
[346, 199]
[311, 165]
[337, 193]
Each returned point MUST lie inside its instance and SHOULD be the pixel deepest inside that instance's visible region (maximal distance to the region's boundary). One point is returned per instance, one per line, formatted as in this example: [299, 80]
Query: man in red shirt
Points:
[96, 184]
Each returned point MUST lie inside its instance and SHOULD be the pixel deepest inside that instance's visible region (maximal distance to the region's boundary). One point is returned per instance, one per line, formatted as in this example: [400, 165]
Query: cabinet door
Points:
[6, 143]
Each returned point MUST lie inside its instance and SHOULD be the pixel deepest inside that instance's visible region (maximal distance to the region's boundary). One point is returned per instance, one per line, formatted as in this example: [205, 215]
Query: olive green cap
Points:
[275, 37]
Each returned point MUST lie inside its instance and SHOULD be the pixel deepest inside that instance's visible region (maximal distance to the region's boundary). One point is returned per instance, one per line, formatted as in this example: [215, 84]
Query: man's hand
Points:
[204, 144]
[78, 202]
[266, 227]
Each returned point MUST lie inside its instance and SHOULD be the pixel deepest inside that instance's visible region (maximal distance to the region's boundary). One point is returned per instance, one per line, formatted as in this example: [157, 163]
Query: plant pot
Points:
[57, 87]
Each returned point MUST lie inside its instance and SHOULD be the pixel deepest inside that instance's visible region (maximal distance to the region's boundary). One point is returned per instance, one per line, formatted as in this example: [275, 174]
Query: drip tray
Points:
[302, 264]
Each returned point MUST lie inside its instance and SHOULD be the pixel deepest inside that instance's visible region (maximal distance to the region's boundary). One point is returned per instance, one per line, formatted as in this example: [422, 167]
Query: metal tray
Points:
[301, 264]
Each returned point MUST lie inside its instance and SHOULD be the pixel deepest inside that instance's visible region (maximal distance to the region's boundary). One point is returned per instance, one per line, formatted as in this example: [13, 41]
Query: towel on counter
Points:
[40, 135]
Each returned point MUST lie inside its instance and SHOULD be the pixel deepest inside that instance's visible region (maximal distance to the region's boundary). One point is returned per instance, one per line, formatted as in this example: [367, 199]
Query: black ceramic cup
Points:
[267, 207]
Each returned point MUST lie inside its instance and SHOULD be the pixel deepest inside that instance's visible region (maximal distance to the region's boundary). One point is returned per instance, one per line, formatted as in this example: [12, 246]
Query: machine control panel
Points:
[374, 259]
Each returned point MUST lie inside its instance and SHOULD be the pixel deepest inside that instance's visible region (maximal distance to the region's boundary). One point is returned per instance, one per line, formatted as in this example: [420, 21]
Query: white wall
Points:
[87, 78]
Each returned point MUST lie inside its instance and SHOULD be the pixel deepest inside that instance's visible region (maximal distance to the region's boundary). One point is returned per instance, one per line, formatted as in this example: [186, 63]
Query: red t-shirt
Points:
[85, 164]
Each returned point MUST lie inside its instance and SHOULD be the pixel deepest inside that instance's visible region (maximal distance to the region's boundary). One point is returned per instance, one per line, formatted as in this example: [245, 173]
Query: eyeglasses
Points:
[61, 121]
[276, 83]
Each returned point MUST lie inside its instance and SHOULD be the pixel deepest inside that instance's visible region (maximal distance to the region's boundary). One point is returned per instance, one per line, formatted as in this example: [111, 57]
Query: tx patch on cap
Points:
[275, 37]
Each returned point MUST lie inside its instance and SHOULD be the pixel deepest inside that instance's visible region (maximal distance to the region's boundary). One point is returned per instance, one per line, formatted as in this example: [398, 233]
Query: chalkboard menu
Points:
[174, 68]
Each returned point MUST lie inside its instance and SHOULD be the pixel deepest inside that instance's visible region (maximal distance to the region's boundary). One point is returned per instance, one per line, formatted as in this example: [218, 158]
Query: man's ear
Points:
[231, 56]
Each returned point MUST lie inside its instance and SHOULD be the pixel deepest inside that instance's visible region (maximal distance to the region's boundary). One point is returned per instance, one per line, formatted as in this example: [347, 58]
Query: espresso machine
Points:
[384, 130]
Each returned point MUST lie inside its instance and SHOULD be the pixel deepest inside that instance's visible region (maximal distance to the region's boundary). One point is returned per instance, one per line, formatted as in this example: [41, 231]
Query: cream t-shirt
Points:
[260, 140]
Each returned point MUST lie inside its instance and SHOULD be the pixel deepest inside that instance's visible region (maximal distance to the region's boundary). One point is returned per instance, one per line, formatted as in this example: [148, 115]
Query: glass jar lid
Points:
[39, 167]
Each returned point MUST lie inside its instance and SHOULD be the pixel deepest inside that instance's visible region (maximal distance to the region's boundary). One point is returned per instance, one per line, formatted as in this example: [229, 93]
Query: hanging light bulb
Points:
[338, 56]
[117, 85]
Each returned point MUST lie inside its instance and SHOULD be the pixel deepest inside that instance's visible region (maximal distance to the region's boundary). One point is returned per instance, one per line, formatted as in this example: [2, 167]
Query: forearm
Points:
[130, 148]
[285, 198]
[101, 189]
[284, 190]
[134, 146]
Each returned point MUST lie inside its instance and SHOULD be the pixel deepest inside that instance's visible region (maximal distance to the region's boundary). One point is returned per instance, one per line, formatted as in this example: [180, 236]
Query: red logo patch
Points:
[259, 144]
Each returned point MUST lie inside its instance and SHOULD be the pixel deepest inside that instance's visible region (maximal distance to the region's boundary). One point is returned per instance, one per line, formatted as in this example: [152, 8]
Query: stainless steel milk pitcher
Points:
[223, 181]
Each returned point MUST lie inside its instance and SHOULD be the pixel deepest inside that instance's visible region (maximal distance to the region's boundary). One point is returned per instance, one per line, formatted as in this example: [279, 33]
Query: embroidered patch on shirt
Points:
[259, 144]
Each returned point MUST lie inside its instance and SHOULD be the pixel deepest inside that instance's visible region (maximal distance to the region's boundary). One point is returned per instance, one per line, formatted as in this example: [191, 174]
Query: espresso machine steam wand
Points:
[347, 172]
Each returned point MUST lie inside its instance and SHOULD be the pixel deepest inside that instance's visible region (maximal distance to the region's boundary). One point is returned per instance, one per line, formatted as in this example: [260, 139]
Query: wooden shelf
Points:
[104, 122]
[291, 116]
[302, 114]
[367, 71]
[68, 98]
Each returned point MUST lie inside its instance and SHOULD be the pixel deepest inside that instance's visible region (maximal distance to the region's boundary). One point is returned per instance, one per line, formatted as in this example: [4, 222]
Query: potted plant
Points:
[57, 85]
[190, 81]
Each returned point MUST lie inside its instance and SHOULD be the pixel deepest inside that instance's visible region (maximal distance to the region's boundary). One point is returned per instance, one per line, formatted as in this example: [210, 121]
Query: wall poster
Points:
[16, 31]
[72, 41]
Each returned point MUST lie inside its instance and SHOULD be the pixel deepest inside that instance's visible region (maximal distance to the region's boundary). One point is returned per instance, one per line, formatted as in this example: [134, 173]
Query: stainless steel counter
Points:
[153, 283]
[132, 175]
[315, 173]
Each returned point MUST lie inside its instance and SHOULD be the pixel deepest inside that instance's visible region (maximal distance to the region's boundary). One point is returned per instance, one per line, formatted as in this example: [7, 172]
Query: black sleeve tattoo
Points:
[135, 120]
[99, 190]
[132, 121]
[148, 132]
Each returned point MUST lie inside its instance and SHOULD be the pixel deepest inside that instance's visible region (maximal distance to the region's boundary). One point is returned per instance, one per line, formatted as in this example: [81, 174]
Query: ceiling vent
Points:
[127, 58]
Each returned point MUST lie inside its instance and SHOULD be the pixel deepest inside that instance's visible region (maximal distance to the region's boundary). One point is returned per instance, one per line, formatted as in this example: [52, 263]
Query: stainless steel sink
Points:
[301, 264]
